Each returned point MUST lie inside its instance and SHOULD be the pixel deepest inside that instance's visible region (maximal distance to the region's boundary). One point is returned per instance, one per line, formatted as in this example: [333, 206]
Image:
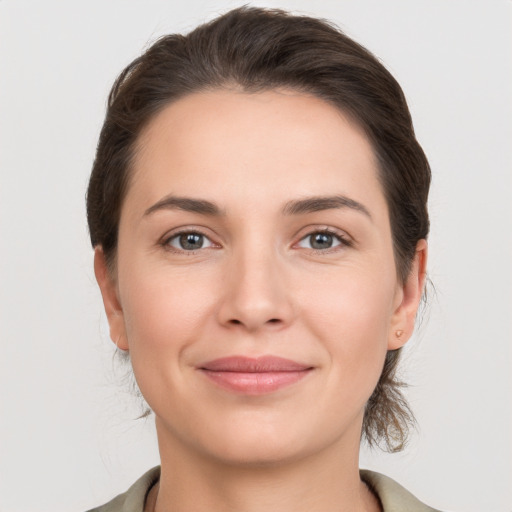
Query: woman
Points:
[258, 212]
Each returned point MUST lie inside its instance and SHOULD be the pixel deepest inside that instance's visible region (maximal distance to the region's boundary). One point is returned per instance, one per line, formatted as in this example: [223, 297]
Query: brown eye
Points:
[189, 241]
[322, 240]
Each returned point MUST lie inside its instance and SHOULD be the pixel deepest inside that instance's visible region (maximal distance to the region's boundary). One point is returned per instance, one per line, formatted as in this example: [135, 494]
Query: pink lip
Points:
[254, 376]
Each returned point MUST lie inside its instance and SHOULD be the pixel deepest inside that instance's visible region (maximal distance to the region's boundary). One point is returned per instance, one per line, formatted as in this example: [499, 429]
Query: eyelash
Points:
[343, 240]
[166, 241]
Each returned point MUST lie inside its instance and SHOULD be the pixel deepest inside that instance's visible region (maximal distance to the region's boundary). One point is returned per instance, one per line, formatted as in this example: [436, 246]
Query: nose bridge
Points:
[256, 294]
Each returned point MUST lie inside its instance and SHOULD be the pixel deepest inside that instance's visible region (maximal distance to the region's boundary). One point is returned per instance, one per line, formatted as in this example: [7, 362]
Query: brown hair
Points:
[259, 49]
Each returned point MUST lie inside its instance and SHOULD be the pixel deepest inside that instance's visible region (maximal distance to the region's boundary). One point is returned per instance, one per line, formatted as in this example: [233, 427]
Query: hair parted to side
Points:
[254, 50]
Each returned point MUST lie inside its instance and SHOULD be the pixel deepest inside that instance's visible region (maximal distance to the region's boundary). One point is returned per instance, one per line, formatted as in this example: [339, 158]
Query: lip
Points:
[254, 376]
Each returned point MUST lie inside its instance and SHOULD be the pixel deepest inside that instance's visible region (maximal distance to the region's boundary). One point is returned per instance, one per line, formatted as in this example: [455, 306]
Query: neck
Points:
[324, 482]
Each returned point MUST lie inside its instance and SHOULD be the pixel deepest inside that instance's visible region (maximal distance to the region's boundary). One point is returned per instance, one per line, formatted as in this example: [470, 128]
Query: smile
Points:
[254, 376]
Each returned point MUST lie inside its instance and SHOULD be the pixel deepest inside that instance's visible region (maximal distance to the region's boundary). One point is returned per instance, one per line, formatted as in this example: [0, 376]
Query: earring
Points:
[399, 333]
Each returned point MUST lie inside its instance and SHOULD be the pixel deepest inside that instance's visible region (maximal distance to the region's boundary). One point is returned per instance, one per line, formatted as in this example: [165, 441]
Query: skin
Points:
[257, 287]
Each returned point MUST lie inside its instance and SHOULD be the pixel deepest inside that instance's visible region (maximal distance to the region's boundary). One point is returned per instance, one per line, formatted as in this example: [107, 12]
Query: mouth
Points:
[254, 376]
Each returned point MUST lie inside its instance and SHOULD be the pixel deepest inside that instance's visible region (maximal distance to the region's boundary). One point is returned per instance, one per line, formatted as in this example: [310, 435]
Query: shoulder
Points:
[393, 497]
[133, 499]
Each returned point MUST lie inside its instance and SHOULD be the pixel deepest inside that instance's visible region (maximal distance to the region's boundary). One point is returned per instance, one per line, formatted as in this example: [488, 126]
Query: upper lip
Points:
[262, 364]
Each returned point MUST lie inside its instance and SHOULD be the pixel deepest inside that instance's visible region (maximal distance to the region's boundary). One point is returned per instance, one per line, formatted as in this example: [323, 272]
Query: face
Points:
[256, 288]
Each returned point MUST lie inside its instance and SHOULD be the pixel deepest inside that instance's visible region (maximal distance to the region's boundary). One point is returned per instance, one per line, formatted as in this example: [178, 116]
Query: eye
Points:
[189, 241]
[322, 240]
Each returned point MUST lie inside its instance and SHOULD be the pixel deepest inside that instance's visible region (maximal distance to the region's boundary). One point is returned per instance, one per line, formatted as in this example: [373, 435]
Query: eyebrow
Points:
[187, 204]
[319, 203]
[296, 207]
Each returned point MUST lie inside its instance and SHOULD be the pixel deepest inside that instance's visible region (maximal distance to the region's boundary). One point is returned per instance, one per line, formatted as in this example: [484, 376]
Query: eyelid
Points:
[164, 240]
[342, 236]
[344, 239]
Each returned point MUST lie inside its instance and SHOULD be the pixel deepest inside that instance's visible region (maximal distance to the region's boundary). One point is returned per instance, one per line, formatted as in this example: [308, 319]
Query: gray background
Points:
[68, 440]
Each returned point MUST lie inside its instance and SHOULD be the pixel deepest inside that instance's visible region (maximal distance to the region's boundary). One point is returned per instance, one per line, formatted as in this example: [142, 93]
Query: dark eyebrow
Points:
[296, 207]
[187, 204]
[319, 203]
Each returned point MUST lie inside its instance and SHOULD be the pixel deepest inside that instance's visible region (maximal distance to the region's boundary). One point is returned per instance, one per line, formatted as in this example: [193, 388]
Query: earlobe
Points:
[110, 297]
[404, 316]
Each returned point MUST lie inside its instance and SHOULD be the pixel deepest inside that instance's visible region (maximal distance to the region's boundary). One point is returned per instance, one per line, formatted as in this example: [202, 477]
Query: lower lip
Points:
[255, 383]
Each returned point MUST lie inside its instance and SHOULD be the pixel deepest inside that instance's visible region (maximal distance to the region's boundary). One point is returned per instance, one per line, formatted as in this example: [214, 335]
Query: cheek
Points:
[164, 312]
[352, 317]
[351, 303]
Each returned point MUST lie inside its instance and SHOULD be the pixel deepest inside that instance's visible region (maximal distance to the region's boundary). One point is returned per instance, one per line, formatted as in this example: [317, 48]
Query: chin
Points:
[257, 450]
[256, 440]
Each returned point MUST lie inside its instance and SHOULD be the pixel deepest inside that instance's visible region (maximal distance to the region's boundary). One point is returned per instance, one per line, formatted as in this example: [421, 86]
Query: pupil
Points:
[191, 241]
[321, 241]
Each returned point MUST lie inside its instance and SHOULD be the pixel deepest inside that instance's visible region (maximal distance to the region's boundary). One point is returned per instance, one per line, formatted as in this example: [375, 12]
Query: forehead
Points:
[253, 147]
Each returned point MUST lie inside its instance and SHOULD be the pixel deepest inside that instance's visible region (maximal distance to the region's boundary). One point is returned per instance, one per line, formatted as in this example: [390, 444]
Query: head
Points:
[259, 53]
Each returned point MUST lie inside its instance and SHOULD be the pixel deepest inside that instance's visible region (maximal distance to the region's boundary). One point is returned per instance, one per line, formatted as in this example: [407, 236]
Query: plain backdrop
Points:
[68, 437]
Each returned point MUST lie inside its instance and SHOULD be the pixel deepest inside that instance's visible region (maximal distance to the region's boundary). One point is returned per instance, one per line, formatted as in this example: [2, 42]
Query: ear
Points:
[110, 297]
[408, 299]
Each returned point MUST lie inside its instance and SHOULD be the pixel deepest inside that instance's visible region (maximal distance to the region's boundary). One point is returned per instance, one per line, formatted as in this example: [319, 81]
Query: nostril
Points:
[234, 321]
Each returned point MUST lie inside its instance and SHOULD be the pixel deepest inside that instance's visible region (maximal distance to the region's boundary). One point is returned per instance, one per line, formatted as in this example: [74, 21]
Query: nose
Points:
[255, 294]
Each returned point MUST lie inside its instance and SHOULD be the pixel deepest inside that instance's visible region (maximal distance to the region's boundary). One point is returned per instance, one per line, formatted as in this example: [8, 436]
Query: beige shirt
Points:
[393, 497]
